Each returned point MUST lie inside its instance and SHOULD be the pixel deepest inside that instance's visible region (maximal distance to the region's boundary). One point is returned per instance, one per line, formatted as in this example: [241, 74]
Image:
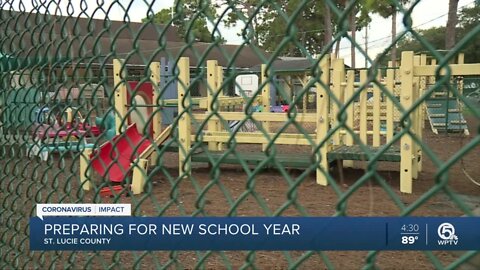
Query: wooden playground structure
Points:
[356, 119]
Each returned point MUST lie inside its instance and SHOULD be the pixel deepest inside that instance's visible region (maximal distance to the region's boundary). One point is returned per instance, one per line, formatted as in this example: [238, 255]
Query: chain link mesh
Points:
[59, 83]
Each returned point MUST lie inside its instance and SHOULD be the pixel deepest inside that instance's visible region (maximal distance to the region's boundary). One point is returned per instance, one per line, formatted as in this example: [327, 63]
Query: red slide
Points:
[112, 160]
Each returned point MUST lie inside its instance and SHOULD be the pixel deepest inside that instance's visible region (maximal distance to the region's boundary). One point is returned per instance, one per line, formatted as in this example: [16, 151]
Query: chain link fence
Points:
[96, 106]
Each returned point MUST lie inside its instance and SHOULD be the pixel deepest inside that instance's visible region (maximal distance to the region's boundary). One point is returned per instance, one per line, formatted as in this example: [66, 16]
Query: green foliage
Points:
[384, 8]
[191, 18]
[307, 31]
[162, 17]
[468, 19]
[269, 26]
[435, 36]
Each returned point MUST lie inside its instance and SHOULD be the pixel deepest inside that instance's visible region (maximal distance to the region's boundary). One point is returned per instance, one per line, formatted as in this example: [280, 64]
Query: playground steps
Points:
[445, 115]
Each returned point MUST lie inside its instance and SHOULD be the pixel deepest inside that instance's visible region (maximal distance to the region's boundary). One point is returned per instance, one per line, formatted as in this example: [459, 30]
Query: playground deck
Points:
[301, 160]
[355, 152]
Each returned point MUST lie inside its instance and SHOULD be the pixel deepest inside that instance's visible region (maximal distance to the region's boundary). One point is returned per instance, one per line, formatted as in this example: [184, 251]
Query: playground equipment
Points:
[54, 125]
[62, 125]
[18, 102]
[443, 108]
[342, 145]
[374, 124]
[471, 90]
[445, 115]
[131, 151]
[113, 160]
[62, 132]
[372, 118]
[132, 147]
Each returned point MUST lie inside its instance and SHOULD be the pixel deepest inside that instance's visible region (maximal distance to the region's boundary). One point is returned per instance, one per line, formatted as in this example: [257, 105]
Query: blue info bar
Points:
[255, 233]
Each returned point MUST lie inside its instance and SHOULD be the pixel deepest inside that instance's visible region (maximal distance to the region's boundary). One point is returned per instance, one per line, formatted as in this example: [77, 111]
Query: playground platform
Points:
[300, 160]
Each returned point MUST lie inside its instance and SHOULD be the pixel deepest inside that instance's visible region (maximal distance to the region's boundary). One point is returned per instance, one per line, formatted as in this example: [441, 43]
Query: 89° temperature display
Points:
[410, 234]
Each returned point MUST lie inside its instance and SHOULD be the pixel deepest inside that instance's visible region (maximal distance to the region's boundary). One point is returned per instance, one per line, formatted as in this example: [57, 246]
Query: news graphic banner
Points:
[255, 233]
[84, 209]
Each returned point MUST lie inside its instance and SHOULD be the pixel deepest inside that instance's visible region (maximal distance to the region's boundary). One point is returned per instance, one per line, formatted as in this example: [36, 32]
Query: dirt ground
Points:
[269, 192]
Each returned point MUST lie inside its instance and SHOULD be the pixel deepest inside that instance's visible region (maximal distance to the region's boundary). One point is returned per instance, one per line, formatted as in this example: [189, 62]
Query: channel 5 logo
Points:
[446, 232]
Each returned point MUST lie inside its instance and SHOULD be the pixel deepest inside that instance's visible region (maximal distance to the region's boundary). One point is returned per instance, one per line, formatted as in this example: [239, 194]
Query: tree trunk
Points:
[253, 26]
[327, 22]
[337, 48]
[393, 56]
[353, 29]
[451, 24]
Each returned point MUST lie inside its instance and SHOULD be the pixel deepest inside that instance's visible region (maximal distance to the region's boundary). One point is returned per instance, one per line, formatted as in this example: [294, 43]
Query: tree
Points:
[190, 16]
[468, 20]
[328, 26]
[352, 19]
[435, 36]
[451, 24]
[358, 17]
[362, 19]
[305, 32]
[242, 11]
[268, 25]
[386, 8]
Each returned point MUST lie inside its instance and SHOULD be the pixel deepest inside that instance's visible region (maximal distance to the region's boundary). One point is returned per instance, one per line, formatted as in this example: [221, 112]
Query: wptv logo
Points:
[446, 232]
